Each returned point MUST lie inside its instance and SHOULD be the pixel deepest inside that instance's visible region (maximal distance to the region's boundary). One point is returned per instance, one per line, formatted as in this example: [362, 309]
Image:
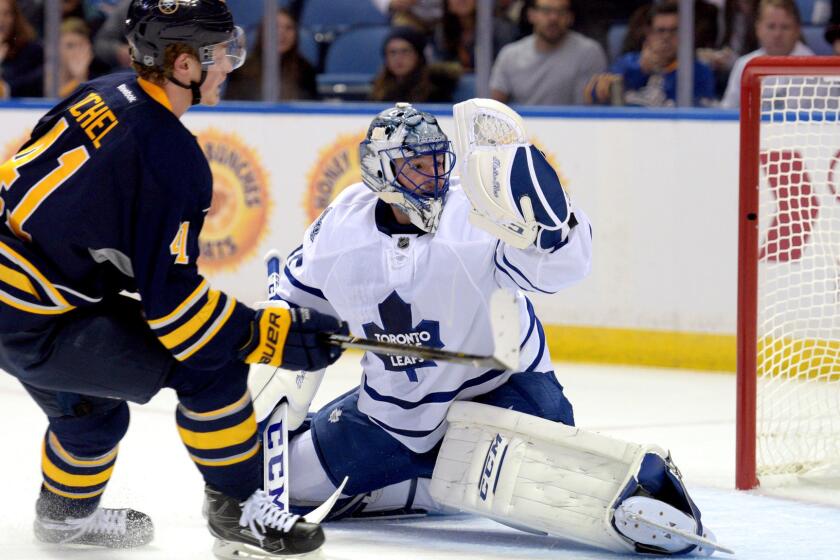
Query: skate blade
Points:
[690, 538]
[228, 550]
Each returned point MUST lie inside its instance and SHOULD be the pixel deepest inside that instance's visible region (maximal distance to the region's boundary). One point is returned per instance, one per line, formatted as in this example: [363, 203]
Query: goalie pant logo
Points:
[492, 466]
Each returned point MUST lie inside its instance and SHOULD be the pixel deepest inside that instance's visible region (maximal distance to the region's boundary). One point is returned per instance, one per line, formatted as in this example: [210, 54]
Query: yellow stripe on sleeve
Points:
[208, 336]
[220, 438]
[178, 311]
[191, 327]
[18, 280]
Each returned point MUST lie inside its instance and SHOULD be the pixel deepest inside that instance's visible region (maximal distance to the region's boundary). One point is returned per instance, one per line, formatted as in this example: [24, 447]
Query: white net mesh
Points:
[798, 360]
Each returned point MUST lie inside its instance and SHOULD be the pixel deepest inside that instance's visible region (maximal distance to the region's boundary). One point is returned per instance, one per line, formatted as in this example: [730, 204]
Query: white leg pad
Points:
[526, 471]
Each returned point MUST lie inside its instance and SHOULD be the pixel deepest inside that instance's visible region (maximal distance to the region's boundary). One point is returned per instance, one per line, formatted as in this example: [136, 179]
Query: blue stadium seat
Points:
[339, 14]
[615, 37]
[308, 47]
[465, 88]
[248, 15]
[814, 37]
[814, 12]
[357, 51]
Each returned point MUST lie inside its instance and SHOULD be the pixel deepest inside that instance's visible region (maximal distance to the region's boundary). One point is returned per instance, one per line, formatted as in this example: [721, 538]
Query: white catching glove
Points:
[515, 193]
[269, 386]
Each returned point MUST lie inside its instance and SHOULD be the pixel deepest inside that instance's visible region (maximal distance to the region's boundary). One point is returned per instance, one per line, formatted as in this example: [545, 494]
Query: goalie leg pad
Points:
[525, 471]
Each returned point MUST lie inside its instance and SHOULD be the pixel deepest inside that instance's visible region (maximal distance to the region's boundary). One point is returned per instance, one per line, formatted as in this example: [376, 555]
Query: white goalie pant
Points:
[532, 473]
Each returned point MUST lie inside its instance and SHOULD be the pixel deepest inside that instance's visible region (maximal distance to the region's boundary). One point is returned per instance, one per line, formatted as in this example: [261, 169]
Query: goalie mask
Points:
[406, 159]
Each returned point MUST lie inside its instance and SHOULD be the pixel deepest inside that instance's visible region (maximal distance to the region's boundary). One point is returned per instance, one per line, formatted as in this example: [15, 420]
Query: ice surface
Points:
[692, 414]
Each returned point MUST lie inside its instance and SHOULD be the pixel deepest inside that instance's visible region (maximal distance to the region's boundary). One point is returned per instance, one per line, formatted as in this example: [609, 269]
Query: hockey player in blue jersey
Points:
[109, 196]
[412, 254]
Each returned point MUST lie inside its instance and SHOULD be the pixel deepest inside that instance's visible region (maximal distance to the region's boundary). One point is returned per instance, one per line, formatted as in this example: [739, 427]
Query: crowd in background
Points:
[546, 52]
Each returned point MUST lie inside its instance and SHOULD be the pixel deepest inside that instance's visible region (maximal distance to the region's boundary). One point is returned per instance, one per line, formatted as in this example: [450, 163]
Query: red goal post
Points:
[789, 269]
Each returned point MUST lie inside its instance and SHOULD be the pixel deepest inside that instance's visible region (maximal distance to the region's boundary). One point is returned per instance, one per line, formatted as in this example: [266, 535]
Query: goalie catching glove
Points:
[292, 338]
[514, 192]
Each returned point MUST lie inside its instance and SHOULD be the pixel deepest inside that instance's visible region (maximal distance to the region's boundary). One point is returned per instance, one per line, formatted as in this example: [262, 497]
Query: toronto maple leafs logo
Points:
[397, 327]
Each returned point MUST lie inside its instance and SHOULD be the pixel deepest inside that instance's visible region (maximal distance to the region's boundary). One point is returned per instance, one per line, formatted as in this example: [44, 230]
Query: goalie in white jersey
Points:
[399, 258]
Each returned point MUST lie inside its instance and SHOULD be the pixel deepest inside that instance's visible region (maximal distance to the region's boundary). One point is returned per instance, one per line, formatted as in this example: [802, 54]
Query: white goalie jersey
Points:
[431, 289]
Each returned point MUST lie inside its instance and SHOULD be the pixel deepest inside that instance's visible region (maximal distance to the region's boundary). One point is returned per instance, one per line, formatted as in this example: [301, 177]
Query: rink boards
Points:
[659, 186]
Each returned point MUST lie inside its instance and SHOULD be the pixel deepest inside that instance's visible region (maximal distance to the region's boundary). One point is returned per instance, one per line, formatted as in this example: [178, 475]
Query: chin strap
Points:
[194, 87]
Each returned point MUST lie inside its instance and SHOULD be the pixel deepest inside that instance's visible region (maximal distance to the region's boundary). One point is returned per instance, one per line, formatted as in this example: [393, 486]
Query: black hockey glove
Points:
[292, 338]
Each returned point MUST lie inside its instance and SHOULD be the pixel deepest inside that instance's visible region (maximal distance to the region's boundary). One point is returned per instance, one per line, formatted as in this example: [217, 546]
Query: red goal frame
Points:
[748, 251]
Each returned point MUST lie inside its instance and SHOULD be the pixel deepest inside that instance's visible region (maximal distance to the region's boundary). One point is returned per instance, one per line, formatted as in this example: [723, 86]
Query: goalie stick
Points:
[504, 320]
[275, 435]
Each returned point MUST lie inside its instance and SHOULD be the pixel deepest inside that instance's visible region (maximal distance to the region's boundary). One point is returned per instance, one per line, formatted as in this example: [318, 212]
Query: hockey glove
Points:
[514, 192]
[292, 338]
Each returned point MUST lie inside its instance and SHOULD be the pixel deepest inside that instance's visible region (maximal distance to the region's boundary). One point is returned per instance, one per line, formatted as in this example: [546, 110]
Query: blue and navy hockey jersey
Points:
[110, 194]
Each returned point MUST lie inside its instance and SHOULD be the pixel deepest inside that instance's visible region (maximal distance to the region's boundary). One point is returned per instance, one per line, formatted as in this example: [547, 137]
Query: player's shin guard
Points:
[72, 484]
[223, 444]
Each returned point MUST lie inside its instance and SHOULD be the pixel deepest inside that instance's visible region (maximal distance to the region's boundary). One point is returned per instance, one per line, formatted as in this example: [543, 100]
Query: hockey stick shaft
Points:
[421, 352]
[275, 436]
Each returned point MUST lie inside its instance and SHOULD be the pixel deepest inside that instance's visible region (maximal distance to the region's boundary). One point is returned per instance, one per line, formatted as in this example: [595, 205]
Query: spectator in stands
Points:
[296, 74]
[21, 56]
[75, 54]
[97, 11]
[648, 78]
[738, 38]
[832, 30]
[778, 32]
[422, 15]
[406, 76]
[109, 42]
[551, 66]
[33, 11]
[455, 35]
[705, 26]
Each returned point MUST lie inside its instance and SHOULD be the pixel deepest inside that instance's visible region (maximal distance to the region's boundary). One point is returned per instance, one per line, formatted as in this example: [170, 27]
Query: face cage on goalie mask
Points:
[231, 52]
[433, 183]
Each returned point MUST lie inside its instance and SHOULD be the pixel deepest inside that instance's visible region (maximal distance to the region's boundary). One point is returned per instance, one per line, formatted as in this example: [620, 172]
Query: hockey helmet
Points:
[205, 25]
[407, 159]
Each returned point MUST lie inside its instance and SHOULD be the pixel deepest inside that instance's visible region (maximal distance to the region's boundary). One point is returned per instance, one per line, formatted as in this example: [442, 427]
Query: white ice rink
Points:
[692, 414]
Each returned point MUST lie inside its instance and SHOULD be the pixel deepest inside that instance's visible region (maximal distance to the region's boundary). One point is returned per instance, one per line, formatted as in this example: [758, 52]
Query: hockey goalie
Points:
[413, 253]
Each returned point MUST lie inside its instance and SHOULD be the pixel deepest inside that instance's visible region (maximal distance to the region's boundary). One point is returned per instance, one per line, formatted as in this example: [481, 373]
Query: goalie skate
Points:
[257, 529]
[656, 524]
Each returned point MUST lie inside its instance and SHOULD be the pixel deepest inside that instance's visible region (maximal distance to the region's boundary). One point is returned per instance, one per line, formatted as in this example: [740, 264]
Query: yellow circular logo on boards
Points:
[336, 169]
[238, 217]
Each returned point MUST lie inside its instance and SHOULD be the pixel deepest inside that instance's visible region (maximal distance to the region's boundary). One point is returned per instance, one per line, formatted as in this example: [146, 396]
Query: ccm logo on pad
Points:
[492, 466]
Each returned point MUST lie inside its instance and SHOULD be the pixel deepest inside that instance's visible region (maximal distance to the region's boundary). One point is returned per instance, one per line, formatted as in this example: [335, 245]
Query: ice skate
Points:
[257, 529]
[111, 528]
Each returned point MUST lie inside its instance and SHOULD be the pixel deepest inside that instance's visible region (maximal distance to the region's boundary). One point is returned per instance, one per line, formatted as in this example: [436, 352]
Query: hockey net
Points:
[789, 273]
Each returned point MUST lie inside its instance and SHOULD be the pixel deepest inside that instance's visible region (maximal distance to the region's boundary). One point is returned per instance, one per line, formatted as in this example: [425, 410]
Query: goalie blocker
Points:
[538, 475]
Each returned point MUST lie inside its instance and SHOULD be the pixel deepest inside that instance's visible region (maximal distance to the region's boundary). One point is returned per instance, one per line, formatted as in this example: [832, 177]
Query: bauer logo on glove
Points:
[273, 326]
[291, 338]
